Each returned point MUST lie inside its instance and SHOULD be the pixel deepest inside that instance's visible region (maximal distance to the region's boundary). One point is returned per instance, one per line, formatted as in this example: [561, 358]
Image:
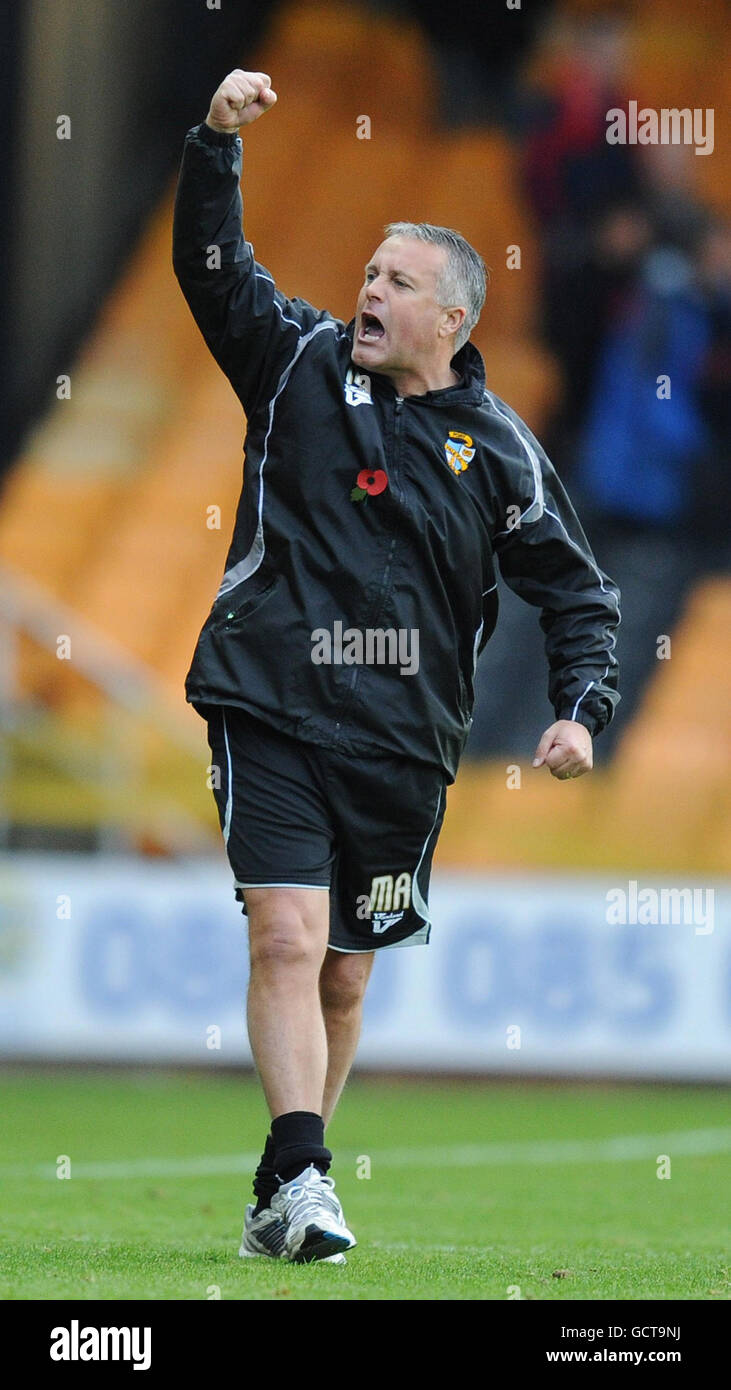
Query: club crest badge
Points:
[459, 455]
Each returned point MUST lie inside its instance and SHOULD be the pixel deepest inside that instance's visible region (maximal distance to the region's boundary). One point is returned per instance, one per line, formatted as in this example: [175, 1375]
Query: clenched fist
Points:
[241, 98]
[566, 750]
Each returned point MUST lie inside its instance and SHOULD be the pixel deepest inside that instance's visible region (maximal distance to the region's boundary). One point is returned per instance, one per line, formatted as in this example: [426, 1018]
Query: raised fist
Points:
[241, 98]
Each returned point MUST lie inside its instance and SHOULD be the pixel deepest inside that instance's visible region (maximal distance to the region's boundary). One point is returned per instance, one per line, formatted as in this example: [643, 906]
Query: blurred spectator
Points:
[570, 170]
[650, 476]
[584, 194]
[712, 491]
[584, 291]
[644, 430]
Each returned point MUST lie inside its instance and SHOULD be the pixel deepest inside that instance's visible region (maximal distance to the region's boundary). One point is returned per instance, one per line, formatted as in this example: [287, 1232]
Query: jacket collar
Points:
[468, 362]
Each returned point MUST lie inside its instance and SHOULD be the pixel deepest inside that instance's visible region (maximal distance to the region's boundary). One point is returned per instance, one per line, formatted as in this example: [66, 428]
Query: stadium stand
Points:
[106, 513]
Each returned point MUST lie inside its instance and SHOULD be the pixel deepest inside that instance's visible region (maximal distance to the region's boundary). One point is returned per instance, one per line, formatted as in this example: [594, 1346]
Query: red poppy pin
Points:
[368, 484]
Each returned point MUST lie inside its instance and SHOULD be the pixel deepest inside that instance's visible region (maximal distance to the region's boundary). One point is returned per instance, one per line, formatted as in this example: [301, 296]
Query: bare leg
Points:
[343, 980]
[288, 931]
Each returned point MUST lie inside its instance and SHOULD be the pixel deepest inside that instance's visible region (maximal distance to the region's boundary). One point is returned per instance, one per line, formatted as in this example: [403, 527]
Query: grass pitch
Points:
[477, 1190]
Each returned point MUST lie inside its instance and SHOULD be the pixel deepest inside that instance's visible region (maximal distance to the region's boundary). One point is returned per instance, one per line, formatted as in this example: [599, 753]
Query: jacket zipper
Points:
[348, 698]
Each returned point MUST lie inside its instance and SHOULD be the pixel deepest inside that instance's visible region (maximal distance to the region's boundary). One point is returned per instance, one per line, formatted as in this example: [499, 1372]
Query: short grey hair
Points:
[463, 282]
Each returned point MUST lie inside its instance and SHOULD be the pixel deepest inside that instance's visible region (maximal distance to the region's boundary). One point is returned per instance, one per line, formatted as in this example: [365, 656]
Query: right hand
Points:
[241, 98]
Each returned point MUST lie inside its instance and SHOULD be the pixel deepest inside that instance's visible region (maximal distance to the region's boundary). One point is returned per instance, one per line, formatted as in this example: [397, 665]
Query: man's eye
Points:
[402, 283]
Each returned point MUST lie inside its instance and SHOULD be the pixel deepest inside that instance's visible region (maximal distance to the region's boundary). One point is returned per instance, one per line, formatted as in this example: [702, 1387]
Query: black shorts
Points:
[294, 814]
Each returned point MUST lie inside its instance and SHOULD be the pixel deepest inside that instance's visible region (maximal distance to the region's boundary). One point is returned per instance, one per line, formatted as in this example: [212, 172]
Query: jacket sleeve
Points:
[253, 331]
[546, 559]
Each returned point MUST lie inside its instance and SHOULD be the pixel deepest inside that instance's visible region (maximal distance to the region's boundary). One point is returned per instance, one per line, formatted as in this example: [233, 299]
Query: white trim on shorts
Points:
[420, 937]
[229, 787]
[322, 887]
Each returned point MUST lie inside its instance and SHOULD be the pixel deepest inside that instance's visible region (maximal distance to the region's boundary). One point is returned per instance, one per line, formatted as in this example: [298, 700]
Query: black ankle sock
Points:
[266, 1182]
[299, 1140]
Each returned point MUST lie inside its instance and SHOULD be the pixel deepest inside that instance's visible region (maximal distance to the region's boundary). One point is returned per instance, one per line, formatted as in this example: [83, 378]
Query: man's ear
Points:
[452, 320]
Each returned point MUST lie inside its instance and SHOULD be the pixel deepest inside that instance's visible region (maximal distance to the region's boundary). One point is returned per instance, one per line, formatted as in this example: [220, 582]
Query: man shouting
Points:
[382, 484]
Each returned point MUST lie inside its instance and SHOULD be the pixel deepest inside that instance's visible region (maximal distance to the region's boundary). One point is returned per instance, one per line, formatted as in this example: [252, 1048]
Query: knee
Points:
[283, 941]
[343, 984]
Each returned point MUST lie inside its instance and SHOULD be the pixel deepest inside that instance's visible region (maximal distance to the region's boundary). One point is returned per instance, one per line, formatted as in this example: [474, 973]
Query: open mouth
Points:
[371, 328]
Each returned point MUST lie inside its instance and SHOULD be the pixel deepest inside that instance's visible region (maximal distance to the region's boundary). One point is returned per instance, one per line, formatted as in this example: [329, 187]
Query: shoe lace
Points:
[310, 1198]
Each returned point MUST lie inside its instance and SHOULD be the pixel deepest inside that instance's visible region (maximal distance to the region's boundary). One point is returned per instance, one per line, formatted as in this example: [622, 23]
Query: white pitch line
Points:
[620, 1149]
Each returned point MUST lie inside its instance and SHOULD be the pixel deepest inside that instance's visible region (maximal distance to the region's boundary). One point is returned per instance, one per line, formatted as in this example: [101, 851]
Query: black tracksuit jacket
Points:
[468, 486]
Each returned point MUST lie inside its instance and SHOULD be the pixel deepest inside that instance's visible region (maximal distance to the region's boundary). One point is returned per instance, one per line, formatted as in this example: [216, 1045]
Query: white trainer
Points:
[265, 1235]
[313, 1217]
